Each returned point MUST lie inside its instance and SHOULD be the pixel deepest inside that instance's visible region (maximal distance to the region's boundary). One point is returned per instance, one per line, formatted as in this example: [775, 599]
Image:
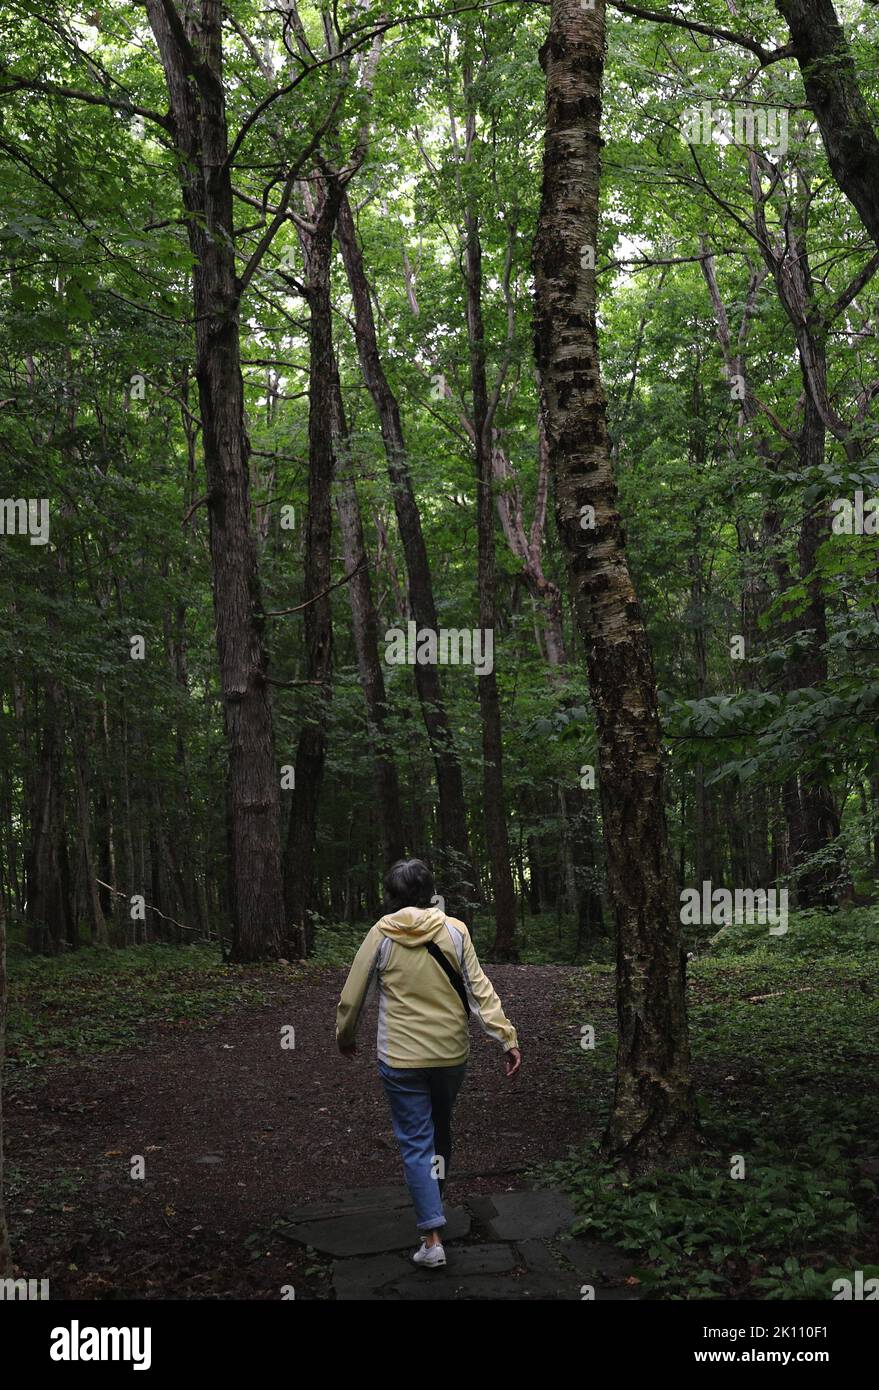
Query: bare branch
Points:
[766, 56]
[283, 612]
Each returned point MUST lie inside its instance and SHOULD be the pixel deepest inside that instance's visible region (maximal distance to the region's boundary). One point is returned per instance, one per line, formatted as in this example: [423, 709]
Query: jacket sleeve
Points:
[484, 1000]
[358, 987]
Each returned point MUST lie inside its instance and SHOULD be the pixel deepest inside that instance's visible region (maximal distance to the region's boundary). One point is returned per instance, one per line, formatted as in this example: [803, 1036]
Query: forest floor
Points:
[269, 1167]
[236, 1132]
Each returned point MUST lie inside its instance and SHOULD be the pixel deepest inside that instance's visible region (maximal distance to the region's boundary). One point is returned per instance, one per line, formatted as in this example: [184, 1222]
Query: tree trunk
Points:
[44, 900]
[364, 622]
[311, 749]
[494, 805]
[96, 919]
[5, 1251]
[460, 880]
[818, 886]
[834, 94]
[813, 822]
[49, 911]
[653, 1116]
[193, 63]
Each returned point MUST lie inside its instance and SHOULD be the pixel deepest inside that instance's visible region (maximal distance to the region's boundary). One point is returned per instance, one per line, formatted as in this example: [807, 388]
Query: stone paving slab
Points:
[520, 1248]
[482, 1209]
[592, 1257]
[536, 1254]
[526, 1215]
[369, 1231]
[537, 1287]
[601, 1266]
[495, 1288]
[366, 1277]
[374, 1277]
[612, 1293]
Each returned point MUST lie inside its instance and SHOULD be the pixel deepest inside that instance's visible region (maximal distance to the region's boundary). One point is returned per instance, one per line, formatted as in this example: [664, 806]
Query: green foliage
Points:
[783, 1036]
[100, 1000]
[703, 1234]
[96, 291]
[850, 934]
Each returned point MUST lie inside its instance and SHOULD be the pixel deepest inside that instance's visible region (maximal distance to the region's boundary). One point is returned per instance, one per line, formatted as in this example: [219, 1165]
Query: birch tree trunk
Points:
[653, 1118]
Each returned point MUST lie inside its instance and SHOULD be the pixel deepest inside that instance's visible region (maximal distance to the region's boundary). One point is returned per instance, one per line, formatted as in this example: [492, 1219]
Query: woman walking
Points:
[429, 981]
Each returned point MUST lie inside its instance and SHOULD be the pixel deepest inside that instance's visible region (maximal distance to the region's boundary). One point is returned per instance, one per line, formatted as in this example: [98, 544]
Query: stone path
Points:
[509, 1245]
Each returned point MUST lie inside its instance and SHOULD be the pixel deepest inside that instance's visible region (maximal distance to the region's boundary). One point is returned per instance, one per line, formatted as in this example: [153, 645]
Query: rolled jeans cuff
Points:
[433, 1225]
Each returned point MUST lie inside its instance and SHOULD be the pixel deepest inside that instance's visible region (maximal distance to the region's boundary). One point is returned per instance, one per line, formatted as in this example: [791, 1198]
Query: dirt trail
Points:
[235, 1131]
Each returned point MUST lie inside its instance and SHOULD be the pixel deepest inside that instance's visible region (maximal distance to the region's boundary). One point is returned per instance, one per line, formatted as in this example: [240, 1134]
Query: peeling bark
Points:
[653, 1118]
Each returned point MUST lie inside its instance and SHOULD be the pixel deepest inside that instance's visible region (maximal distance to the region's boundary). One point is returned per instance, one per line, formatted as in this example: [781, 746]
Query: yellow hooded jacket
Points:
[420, 1019]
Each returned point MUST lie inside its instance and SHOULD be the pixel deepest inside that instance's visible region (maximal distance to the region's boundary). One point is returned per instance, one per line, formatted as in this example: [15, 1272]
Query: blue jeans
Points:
[421, 1101]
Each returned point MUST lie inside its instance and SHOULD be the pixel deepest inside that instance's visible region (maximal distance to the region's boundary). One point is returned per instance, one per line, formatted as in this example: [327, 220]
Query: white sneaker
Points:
[431, 1256]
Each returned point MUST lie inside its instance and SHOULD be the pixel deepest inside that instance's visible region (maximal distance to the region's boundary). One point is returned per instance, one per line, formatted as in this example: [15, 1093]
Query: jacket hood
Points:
[413, 926]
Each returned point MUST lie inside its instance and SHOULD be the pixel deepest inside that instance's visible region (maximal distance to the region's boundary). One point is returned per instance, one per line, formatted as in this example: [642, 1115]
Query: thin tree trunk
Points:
[653, 1117]
[494, 805]
[48, 909]
[818, 886]
[5, 1251]
[365, 627]
[813, 822]
[311, 749]
[42, 869]
[109, 902]
[461, 882]
[91, 889]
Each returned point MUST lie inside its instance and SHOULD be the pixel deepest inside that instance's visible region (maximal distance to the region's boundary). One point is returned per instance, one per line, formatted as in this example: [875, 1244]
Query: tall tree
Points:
[484, 408]
[316, 237]
[458, 872]
[5, 1251]
[652, 1117]
[834, 93]
[191, 51]
[364, 622]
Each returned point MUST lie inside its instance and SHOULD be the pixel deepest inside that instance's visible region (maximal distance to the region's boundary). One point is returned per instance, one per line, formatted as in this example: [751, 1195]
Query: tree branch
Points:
[766, 56]
[283, 612]
[52, 89]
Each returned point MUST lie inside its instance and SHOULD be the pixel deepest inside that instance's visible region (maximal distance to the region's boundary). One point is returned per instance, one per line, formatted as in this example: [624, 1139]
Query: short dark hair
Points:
[408, 883]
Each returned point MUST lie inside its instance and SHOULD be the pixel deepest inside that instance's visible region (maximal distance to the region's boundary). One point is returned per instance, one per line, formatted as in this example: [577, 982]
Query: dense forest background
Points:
[739, 333]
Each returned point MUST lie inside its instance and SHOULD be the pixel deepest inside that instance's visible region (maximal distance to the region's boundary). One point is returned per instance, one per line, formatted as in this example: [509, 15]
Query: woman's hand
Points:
[512, 1061]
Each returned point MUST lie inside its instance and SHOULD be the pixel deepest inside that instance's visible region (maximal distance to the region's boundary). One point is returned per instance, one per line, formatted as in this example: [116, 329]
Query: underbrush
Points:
[781, 1201]
[97, 999]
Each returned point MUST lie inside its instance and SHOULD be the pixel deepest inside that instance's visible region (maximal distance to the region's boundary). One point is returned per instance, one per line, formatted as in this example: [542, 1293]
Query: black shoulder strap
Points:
[451, 975]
